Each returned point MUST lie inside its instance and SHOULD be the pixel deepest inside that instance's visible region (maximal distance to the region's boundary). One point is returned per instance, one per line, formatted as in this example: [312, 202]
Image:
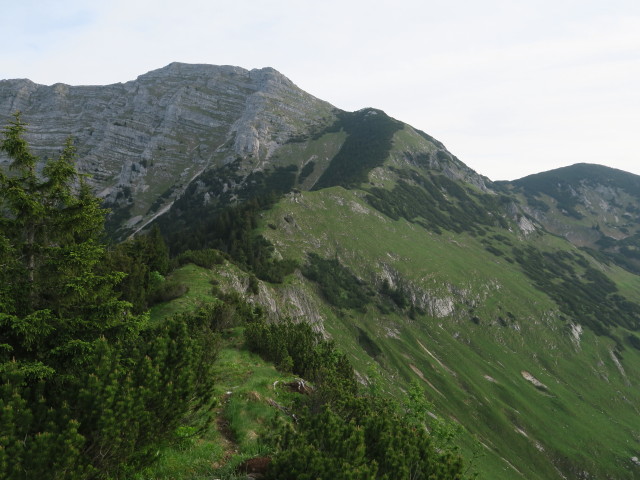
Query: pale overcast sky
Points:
[510, 87]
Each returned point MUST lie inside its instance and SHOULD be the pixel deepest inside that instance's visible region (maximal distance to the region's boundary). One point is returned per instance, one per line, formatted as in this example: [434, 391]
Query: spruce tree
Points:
[87, 389]
[56, 302]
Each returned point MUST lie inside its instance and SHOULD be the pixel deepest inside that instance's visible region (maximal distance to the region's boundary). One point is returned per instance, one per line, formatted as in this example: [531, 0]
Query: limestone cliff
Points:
[142, 142]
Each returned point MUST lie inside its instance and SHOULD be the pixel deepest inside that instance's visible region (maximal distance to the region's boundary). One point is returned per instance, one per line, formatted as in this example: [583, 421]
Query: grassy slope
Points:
[473, 373]
[199, 281]
[245, 384]
[584, 418]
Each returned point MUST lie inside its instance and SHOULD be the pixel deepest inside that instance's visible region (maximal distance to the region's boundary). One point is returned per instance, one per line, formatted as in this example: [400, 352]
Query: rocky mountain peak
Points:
[142, 142]
[145, 141]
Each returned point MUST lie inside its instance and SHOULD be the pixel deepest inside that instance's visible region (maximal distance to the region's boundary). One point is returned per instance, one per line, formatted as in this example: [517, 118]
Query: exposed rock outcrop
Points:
[142, 142]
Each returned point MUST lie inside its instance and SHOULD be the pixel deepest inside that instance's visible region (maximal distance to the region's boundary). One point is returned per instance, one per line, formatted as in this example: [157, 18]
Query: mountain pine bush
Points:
[87, 389]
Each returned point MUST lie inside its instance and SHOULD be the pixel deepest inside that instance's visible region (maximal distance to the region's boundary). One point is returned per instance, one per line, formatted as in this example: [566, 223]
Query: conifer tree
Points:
[87, 389]
[144, 259]
[56, 302]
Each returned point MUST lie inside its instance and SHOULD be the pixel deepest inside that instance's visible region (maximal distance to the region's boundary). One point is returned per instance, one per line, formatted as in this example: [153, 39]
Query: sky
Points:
[510, 87]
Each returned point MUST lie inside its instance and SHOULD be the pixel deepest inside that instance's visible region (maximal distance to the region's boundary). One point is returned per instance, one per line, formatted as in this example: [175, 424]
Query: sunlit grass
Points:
[244, 386]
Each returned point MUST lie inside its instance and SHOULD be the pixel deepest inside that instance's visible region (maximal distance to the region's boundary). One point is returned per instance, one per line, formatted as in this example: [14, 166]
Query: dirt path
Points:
[227, 440]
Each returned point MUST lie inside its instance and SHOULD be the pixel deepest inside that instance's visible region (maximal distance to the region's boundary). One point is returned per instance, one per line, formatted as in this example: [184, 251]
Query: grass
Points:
[246, 385]
[585, 419]
[320, 150]
[199, 281]
[196, 460]
[587, 416]
[243, 417]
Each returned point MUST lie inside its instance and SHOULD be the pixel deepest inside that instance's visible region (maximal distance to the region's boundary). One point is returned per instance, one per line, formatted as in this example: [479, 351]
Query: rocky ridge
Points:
[143, 142]
[147, 139]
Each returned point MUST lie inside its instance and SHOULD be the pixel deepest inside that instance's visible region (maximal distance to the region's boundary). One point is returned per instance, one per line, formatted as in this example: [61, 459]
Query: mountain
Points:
[592, 206]
[145, 141]
[515, 305]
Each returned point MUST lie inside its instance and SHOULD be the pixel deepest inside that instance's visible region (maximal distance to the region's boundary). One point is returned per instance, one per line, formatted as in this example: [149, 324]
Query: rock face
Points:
[207, 133]
[144, 141]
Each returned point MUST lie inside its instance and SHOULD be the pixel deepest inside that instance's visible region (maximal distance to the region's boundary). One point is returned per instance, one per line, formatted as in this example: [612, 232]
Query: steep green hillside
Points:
[515, 306]
[421, 269]
[540, 391]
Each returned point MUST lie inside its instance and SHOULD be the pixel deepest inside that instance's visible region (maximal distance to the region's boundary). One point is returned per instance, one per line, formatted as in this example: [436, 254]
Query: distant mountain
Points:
[592, 206]
[516, 305]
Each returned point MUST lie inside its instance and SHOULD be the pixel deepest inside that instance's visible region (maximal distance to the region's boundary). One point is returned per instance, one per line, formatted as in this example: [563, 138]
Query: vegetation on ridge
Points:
[341, 433]
[87, 389]
[369, 139]
[437, 203]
